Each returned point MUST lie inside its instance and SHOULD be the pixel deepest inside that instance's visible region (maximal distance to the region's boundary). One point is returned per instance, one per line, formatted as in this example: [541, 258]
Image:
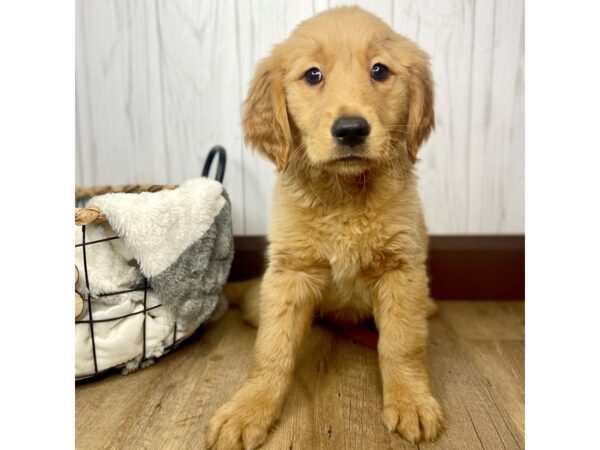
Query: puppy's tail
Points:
[245, 294]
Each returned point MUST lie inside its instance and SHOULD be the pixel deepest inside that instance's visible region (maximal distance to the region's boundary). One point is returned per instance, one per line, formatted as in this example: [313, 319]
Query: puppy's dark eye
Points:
[379, 72]
[313, 76]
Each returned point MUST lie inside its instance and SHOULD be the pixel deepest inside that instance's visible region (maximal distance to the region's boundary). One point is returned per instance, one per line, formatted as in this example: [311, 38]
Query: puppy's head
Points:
[343, 93]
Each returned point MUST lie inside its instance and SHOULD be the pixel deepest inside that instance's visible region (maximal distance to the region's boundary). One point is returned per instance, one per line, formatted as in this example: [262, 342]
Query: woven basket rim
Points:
[92, 214]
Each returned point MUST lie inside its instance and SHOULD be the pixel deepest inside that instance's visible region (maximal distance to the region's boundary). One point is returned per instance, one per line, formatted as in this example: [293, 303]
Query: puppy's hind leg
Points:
[245, 294]
[431, 307]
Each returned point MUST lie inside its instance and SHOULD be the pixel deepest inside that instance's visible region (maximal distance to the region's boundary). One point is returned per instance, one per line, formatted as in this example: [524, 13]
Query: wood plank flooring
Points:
[476, 353]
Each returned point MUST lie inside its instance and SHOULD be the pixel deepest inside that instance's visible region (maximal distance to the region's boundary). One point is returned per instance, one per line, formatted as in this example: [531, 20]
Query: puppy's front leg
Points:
[288, 300]
[400, 313]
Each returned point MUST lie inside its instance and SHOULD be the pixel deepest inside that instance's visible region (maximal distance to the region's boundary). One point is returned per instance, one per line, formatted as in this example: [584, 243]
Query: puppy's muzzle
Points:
[350, 131]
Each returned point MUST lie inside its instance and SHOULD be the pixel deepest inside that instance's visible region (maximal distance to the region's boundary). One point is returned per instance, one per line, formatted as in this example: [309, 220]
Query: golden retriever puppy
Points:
[341, 108]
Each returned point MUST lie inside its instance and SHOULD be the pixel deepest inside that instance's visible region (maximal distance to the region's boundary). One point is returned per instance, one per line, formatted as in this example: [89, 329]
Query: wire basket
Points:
[87, 215]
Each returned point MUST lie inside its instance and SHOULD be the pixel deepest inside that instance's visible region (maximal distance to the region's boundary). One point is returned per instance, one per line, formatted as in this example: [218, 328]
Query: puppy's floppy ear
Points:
[265, 119]
[421, 117]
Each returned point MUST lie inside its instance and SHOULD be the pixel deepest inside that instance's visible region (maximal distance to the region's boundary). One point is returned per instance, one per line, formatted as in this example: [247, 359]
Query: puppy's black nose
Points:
[350, 130]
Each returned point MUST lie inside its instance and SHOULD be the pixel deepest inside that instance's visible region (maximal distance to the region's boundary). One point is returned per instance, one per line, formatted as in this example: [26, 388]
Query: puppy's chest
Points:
[351, 242]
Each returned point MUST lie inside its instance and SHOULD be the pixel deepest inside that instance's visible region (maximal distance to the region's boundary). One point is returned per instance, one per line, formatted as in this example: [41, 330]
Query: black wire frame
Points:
[145, 310]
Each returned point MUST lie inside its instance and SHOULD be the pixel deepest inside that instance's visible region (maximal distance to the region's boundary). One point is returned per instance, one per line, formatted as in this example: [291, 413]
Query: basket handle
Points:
[221, 164]
[87, 215]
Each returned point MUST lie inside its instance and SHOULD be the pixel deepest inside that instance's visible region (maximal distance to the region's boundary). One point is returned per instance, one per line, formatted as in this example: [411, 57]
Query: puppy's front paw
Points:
[239, 424]
[416, 417]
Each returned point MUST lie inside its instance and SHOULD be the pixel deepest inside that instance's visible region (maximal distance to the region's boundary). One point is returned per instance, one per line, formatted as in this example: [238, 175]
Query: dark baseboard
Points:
[477, 267]
[461, 267]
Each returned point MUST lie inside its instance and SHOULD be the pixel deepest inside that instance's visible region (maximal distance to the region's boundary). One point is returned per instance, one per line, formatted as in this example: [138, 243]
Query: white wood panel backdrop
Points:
[161, 81]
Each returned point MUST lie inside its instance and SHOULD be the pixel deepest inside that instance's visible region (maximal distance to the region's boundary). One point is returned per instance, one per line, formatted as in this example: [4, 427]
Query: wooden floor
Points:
[476, 353]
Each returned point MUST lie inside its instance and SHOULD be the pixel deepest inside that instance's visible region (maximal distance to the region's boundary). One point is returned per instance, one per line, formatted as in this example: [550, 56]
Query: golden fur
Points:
[348, 240]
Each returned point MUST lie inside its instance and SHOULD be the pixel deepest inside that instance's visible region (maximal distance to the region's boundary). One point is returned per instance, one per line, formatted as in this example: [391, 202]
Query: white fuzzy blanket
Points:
[181, 242]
